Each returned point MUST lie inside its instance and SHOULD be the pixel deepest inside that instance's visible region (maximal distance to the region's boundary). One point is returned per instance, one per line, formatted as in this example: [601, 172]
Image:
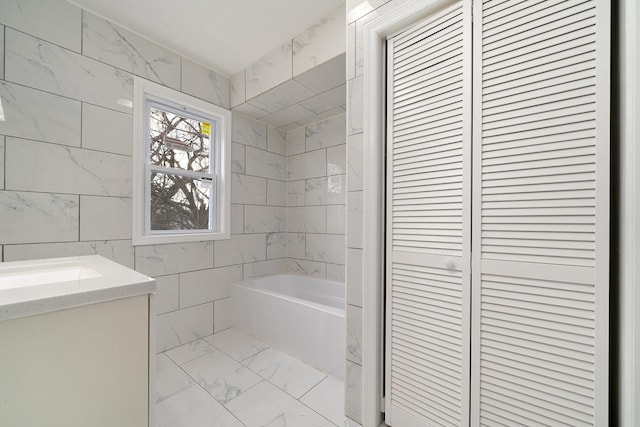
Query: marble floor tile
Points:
[284, 371]
[170, 379]
[327, 399]
[221, 376]
[348, 422]
[236, 344]
[193, 407]
[266, 405]
[187, 352]
[201, 385]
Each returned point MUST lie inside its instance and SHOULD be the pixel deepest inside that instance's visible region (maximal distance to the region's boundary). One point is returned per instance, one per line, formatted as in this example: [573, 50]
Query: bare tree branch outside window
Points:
[179, 202]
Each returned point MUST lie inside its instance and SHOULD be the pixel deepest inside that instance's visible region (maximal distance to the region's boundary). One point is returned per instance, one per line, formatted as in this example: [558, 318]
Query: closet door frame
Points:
[628, 215]
[375, 34]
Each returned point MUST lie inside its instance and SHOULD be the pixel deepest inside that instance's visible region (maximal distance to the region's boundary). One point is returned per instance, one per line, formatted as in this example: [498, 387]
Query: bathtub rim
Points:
[249, 284]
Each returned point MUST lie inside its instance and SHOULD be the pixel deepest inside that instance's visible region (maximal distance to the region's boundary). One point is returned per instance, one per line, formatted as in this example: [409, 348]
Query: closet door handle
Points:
[450, 264]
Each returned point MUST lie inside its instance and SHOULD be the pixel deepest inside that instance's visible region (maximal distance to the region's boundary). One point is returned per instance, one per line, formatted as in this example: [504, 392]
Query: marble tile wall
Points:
[258, 197]
[299, 82]
[319, 43]
[66, 162]
[56, 21]
[271, 70]
[316, 197]
[106, 42]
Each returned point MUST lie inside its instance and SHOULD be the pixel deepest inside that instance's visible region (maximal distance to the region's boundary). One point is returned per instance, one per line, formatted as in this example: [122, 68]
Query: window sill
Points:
[179, 238]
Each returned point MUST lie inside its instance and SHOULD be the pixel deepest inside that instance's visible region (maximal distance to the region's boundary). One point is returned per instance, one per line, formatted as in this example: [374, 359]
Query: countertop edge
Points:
[61, 302]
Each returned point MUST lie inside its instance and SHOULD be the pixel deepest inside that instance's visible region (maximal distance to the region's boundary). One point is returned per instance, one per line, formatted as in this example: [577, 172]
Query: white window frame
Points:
[145, 93]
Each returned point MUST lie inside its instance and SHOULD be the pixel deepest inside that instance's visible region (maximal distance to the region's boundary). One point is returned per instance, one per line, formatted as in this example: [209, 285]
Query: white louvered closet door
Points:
[540, 213]
[428, 221]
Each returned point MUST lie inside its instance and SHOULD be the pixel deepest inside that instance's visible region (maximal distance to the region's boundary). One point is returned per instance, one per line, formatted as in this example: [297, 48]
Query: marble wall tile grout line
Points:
[69, 146]
[82, 126]
[62, 193]
[309, 258]
[41, 39]
[79, 217]
[4, 161]
[84, 56]
[4, 43]
[260, 149]
[82, 18]
[65, 96]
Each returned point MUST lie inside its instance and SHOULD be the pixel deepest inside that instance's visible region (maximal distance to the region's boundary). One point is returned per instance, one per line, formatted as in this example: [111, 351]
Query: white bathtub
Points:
[300, 315]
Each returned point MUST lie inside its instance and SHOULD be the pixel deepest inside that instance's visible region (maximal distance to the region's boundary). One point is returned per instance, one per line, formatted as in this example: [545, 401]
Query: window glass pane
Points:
[179, 202]
[178, 141]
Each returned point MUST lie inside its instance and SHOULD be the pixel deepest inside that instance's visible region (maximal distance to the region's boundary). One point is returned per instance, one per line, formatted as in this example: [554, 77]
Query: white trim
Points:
[143, 88]
[388, 229]
[152, 358]
[603, 194]
[476, 220]
[629, 213]
[375, 34]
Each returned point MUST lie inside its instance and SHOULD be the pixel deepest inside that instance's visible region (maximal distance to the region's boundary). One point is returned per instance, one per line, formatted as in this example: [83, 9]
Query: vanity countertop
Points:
[40, 286]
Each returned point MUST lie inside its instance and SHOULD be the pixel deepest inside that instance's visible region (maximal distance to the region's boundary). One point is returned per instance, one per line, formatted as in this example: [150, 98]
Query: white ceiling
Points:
[226, 35]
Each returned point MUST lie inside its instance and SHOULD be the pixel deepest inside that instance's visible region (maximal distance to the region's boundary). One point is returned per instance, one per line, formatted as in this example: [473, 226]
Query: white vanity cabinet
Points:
[75, 352]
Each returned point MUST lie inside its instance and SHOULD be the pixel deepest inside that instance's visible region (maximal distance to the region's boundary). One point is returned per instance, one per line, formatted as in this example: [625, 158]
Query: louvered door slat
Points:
[426, 150]
[561, 150]
[573, 367]
[570, 26]
[580, 61]
[428, 193]
[543, 398]
[509, 7]
[441, 87]
[437, 393]
[441, 50]
[441, 70]
[545, 56]
[428, 116]
[420, 105]
[498, 6]
[430, 369]
[427, 42]
[537, 15]
[549, 392]
[540, 212]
